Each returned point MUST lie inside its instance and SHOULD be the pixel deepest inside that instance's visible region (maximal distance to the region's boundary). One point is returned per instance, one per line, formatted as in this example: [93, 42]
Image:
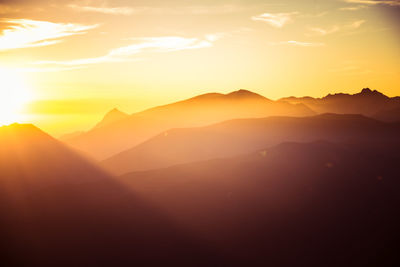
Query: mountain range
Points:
[371, 103]
[107, 139]
[118, 131]
[216, 180]
[240, 136]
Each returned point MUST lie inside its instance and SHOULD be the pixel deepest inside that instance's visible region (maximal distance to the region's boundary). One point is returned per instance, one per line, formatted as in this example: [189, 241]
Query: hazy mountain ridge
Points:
[240, 136]
[368, 102]
[201, 110]
[293, 204]
[244, 191]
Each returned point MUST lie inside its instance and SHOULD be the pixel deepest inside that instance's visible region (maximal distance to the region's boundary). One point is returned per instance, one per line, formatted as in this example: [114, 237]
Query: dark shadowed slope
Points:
[367, 103]
[388, 115]
[234, 137]
[318, 204]
[58, 209]
[198, 111]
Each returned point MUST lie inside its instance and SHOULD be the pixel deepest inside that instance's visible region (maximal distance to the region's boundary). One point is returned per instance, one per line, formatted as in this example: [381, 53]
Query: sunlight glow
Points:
[14, 94]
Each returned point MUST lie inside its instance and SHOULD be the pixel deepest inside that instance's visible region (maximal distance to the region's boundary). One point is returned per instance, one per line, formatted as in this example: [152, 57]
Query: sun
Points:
[14, 94]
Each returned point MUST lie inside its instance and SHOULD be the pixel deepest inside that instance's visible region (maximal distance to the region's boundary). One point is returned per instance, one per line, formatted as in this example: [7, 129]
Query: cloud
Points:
[104, 10]
[297, 43]
[149, 44]
[352, 8]
[375, 2]
[23, 33]
[322, 32]
[162, 10]
[356, 24]
[277, 19]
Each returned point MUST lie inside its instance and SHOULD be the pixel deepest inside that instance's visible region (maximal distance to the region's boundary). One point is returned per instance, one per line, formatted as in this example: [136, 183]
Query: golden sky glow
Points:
[75, 60]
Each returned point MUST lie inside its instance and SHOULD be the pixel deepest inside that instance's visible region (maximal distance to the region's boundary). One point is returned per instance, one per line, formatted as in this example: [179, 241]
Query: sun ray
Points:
[14, 94]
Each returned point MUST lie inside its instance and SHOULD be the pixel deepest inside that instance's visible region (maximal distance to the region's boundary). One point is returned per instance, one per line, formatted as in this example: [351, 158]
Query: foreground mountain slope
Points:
[202, 110]
[317, 204]
[58, 209]
[235, 137]
[367, 103]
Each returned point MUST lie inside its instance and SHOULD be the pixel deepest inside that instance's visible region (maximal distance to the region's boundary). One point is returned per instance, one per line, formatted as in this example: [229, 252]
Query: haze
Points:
[80, 58]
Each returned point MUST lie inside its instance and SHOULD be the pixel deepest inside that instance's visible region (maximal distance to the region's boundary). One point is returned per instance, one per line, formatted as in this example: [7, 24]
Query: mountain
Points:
[388, 115]
[177, 146]
[102, 142]
[311, 204]
[30, 155]
[59, 209]
[111, 117]
[367, 103]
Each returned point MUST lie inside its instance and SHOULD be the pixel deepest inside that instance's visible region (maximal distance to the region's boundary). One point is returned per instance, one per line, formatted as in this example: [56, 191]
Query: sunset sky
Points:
[63, 64]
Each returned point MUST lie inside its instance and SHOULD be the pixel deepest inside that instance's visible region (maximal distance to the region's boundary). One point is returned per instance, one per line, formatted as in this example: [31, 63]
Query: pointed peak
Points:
[112, 116]
[366, 91]
[369, 92]
[115, 111]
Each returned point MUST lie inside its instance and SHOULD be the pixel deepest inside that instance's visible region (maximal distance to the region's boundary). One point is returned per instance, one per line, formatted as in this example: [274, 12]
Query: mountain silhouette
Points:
[111, 117]
[368, 102]
[110, 139]
[177, 146]
[59, 209]
[311, 204]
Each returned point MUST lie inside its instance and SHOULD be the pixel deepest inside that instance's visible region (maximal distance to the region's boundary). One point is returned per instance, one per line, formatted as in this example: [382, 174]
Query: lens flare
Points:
[14, 94]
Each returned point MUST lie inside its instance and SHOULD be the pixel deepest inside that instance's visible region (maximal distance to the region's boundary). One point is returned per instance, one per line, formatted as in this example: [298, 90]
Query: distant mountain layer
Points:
[177, 146]
[125, 132]
[58, 209]
[111, 117]
[316, 204]
[367, 102]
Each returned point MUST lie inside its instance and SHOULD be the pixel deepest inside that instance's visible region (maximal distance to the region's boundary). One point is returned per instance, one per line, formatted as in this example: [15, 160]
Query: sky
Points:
[64, 64]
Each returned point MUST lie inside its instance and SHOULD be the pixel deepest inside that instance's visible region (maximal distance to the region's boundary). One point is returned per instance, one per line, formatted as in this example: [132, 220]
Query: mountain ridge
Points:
[237, 136]
[200, 110]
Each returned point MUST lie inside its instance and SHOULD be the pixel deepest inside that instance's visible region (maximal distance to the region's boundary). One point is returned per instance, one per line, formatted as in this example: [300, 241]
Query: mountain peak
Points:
[366, 91]
[243, 93]
[114, 111]
[20, 127]
[369, 92]
[26, 131]
[112, 116]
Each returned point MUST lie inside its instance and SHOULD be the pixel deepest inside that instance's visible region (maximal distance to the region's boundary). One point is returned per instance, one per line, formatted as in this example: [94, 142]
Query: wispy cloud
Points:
[149, 44]
[23, 33]
[104, 9]
[353, 8]
[356, 24]
[325, 31]
[277, 19]
[375, 2]
[297, 43]
[195, 9]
